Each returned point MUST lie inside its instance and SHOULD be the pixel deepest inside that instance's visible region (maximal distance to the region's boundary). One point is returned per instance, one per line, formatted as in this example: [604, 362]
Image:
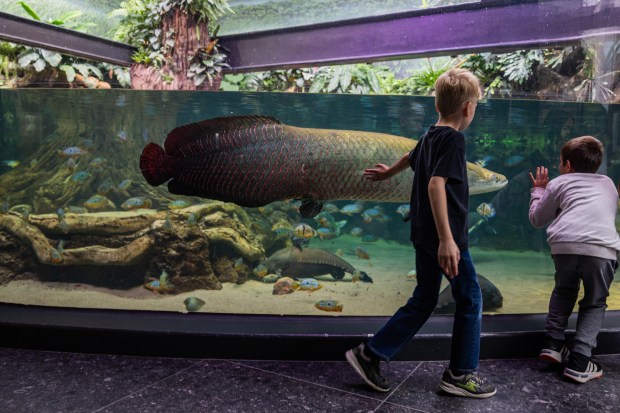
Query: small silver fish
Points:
[72, 152]
[136, 203]
[191, 219]
[61, 246]
[168, 223]
[63, 226]
[125, 183]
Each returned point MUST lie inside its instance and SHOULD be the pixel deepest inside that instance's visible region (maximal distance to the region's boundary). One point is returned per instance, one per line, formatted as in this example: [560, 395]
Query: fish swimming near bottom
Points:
[256, 160]
[492, 299]
[311, 262]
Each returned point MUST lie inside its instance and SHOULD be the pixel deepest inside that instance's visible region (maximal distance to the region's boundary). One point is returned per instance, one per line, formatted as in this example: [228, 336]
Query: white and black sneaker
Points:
[582, 368]
[368, 368]
[554, 351]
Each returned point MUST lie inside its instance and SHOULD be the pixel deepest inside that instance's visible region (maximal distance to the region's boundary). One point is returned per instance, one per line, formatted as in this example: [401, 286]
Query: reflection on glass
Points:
[257, 15]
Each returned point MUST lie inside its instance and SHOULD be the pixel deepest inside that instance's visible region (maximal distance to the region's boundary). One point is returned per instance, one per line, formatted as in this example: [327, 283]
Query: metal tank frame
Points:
[465, 28]
[247, 336]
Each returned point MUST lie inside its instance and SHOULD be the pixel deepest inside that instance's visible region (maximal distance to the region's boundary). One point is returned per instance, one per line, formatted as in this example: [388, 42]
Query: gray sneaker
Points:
[467, 385]
[368, 368]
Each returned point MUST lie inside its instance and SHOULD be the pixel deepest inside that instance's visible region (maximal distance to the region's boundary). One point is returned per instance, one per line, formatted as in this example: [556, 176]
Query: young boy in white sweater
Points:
[581, 207]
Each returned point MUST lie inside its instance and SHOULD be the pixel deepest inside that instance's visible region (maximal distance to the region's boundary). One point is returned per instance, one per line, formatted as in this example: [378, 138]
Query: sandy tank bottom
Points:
[525, 280]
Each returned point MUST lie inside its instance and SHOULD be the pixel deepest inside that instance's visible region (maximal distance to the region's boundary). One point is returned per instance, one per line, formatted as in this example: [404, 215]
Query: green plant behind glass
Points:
[24, 58]
[141, 26]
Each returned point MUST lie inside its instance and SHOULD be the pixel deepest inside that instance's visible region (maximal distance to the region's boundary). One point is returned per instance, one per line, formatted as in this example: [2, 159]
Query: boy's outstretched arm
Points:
[448, 254]
[382, 172]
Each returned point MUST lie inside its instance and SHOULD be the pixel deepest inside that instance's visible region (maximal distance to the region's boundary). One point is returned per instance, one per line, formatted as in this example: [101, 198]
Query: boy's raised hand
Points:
[379, 173]
[542, 177]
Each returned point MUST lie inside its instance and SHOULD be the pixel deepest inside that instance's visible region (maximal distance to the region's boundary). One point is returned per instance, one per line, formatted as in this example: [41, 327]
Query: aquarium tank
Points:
[81, 226]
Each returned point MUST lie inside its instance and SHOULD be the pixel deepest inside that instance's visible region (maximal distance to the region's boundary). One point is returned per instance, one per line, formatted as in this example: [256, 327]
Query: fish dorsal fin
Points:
[183, 136]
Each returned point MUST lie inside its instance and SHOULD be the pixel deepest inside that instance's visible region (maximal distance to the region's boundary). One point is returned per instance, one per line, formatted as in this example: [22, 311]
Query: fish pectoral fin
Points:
[365, 277]
[178, 188]
[337, 273]
[310, 207]
[300, 243]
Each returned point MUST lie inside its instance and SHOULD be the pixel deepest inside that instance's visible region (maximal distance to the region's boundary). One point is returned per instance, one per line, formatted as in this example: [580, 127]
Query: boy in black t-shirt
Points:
[439, 207]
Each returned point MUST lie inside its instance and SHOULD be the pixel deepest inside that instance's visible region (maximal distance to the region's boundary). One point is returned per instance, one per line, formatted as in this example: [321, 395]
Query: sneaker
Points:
[582, 368]
[368, 368]
[467, 385]
[554, 351]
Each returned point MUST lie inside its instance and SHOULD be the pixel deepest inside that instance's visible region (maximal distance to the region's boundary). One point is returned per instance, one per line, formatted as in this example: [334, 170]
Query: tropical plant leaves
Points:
[29, 10]
[335, 80]
[69, 72]
[53, 58]
[27, 58]
[373, 81]
[39, 65]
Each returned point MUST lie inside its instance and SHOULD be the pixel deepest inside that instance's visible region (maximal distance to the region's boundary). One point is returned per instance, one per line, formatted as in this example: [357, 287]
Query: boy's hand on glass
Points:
[449, 256]
[541, 179]
[379, 173]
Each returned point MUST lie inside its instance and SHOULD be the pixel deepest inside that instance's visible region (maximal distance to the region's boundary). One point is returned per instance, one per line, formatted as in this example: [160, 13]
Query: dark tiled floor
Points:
[36, 381]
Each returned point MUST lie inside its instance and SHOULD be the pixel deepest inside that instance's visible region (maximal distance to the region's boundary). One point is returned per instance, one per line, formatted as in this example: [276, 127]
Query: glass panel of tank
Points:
[101, 18]
[80, 226]
[257, 15]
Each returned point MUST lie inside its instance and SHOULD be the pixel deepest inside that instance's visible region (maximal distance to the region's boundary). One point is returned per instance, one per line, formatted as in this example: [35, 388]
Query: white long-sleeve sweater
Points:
[581, 208]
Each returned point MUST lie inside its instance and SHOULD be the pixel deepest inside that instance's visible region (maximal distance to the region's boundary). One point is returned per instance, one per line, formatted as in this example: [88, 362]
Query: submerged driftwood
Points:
[192, 244]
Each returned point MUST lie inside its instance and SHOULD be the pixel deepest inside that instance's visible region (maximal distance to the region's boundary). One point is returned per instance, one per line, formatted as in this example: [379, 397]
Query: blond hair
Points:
[454, 88]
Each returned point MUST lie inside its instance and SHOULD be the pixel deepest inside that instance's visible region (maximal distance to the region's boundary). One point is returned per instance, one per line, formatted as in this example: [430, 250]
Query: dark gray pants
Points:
[597, 275]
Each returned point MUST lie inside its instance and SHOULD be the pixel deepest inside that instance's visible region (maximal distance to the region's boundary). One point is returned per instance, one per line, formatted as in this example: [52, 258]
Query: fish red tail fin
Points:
[157, 167]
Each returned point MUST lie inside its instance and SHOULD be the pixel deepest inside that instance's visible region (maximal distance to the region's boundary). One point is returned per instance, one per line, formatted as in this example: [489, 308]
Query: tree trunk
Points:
[173, 74]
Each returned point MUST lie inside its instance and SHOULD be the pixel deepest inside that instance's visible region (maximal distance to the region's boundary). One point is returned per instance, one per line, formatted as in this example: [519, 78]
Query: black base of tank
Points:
[199, 335]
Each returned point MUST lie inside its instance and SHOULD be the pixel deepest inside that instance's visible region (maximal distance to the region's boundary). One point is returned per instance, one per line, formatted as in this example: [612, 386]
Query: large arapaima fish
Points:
[255, 160]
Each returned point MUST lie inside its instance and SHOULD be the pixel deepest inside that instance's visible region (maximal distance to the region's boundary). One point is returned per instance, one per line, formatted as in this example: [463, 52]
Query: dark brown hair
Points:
[585, 154]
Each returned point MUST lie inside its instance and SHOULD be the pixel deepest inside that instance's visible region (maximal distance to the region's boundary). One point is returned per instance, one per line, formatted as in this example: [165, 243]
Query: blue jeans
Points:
[408, 320]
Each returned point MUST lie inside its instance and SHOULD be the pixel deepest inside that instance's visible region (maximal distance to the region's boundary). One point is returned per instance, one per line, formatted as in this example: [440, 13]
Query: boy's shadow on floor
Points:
[553, 367]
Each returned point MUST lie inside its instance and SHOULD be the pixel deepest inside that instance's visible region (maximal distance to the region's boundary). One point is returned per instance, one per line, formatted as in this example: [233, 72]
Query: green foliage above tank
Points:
[565, 73]
[142, 25]
[92, 18]
[26, 61]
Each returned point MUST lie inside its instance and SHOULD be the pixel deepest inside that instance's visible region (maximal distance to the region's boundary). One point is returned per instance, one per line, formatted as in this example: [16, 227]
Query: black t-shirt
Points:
[440, 152]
